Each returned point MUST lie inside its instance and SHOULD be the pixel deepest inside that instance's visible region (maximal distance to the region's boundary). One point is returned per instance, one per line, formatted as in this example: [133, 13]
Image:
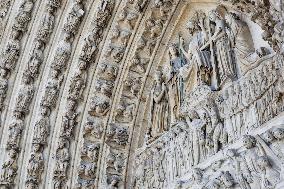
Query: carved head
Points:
[44, 111]
[38, 44]
[197, 175]
[249, 141]
[13, 153]
[82, 65]
[3, 73]
[15, 34]
[227, 179]
[158, 76]
[268, 136]
[54, 74]
[71, 104]
[62, 143]
[173, 50]
[36, 147]
[263, 162]
[278, 133]
[231, 153]
[17, 114]
[26, 79]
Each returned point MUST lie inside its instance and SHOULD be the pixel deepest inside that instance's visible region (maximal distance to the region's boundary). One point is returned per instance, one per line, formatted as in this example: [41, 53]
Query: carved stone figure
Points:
[226, 66]
[74, 17]
[11, 52]
[52, 89]
[175, 83]
[3, 86]
[36, 59]
[198, 70]
[69, 119]
[41, 130]
[46, 25]
[25, 96]
[62, 53]
[197, 126]
[159, 107]
[269, 176]
[117, 135]
[9, 169]
[95, 128]
[62, 163]
[99, 106]
[15, 130]
[24, 15]
[35, 166]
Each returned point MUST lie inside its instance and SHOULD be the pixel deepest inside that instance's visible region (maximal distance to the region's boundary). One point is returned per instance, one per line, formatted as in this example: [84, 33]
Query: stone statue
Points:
[52, 89]
[159, 108]
[63, 53]
[35, 166]
[198, 70]
[25, 96]
[226, 66]
[9, 169]
[3, 86]
[242, 43]
[197, 126]
[15, 130]
[175, 83]
[11, 52]
[36, 59]
[46, 25]
[24, 15]
[74, 17]
[41, 130]
[269, 176]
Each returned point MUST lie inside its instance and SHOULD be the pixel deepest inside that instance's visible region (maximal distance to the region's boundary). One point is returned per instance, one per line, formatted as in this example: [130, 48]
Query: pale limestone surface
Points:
[164, 94]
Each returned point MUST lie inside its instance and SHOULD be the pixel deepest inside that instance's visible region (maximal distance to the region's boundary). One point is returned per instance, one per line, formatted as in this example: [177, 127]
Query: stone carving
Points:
[35, 61]
[159, 107]
[24, 15]
[53, 84]
[35, 167]
[99, 106]
[9, 169]
[94, 128]
[74, 17]
[3, 86]
[25, 95]
[62, 162]
[124, 112]
[221, 94]
[15, 130]
[11, 52]
[46, 25]
[117, 135]
[63, 53]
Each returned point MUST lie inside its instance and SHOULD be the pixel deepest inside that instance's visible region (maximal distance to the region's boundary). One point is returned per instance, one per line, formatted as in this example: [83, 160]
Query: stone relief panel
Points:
[149, 98]
[188, 123]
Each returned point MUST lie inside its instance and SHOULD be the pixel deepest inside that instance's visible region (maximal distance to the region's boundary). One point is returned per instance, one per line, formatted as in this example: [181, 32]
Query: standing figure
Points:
[197, 126]
[198, 70]
[158, 118]
[175, 83]
[222, 44]
[11, 52]
[74, 17]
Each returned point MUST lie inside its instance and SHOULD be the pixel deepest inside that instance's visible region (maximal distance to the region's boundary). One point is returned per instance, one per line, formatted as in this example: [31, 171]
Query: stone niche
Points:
[214, 113]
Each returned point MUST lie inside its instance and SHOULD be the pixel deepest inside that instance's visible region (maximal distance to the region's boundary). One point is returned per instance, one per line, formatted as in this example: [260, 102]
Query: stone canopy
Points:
[140, 94]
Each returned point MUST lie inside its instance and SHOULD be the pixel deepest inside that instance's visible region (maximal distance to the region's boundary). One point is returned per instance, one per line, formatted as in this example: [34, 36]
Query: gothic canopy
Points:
[142, 94]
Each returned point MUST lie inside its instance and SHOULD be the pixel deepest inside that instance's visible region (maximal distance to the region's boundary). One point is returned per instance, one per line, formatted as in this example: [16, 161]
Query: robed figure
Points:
[159, 108]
